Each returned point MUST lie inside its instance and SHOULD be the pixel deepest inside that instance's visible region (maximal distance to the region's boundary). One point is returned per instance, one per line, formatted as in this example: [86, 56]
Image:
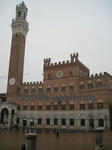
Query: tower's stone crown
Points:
[19, 24]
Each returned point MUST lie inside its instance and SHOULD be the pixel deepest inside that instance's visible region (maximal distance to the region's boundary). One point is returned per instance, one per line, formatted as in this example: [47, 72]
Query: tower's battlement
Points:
[48, 64]
[99, 75]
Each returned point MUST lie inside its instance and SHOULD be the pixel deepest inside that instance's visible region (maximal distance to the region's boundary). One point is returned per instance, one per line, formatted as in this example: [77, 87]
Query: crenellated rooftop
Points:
[33, 83]
[73, 59]
[105, 74]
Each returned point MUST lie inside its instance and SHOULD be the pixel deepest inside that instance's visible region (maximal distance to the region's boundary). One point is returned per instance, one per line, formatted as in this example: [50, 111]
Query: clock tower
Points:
[19, 31]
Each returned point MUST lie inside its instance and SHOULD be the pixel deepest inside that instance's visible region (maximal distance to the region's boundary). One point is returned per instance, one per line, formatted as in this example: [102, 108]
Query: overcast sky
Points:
[57, 29]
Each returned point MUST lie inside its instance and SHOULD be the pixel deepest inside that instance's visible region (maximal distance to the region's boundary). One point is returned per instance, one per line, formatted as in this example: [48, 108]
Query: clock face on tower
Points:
[12, 81]
[59, 74]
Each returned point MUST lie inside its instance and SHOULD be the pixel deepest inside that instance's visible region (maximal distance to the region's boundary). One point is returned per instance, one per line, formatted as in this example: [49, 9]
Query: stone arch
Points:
[4, 116]
[8, 110]
[90, 115]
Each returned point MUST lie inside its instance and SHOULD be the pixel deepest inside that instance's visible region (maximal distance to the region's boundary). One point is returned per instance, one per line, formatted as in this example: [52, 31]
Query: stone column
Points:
[31, 141]
[99, 139]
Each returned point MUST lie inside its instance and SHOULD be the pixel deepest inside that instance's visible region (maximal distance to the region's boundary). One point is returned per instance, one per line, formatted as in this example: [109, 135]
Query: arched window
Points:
[48, 107]
[55, 121]
[55, 107]
[40, 90]
[31, 122]
[91, 123]
[63, 107]
[55, 89]
[99, 84]
[19, 14]
[100, 105]
[39, 107]
[63, 121]
[26, 91]
[48, 90]
[39, 121]
[24, 122]
[101, 123]
[32, 107]
[33, 90]
[17, 120]
[72, 122]
[82, 122]
[90, 86]
[81, 87]
[71, 88]
[63, 89]
[25, 107]
[48, 121]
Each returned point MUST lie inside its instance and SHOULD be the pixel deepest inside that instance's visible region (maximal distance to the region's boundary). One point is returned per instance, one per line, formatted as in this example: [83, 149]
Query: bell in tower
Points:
[19, 31]
[19, 24]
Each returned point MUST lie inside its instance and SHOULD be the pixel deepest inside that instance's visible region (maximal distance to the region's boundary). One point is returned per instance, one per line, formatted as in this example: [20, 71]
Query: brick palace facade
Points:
[67, 98]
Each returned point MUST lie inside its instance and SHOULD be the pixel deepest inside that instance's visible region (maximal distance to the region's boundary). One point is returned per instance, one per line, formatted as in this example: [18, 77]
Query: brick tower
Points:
[19, 31]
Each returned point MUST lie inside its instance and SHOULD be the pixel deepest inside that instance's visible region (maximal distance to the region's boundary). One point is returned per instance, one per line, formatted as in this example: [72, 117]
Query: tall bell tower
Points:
[19, 31]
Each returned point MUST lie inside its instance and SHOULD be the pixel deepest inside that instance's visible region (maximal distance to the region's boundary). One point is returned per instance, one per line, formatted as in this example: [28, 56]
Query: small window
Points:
[33, 91]
[55, 107]
[17, 120]
[71, 122]
[71, 107]
[99, 84]
[39, 121]
[82, 106]
[82, 122]
[26, 91]
[19, 14]
[31, 122]
[63, 89]
[55, 89]
[48, 121]
[91, 106]
[48, 90]
[25, 107]
[81, 87]
[63, 107]
[24, 16]
[24, 122]
[90, 86]
[100, 105]
[32, 107]
[55, 121]
[39, 107]
[48, 107]
[71, 88]
[49, 76]
[101, 123]
[63, 122]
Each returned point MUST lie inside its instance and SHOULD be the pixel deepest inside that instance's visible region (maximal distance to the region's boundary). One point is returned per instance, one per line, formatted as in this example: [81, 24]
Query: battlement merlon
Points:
[36, 83]
[73, 59]
[99, 75]
[74, 56]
